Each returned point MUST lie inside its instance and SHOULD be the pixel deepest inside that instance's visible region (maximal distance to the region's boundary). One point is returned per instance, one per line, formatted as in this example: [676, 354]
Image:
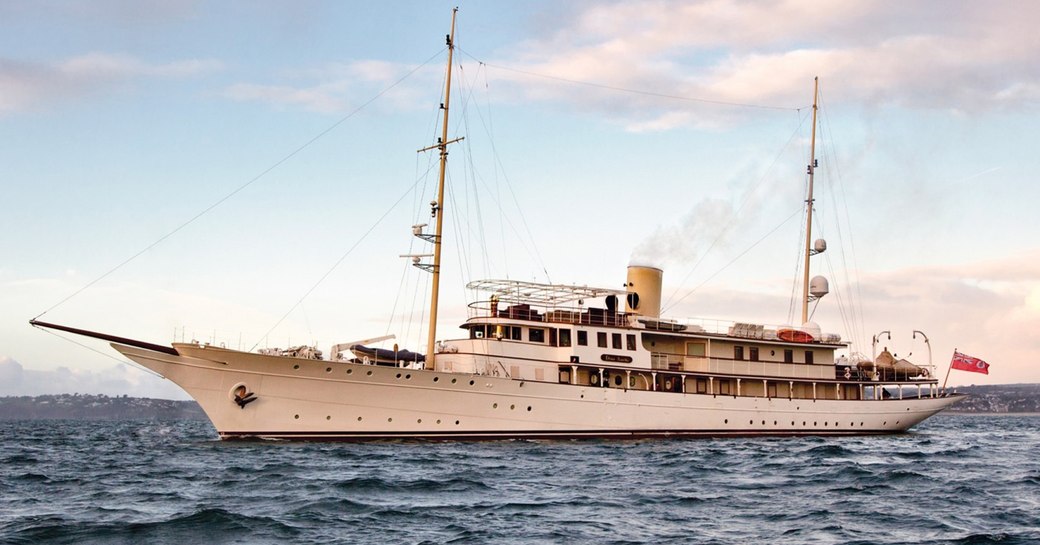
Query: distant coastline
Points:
[1021, 399]
[96, 407]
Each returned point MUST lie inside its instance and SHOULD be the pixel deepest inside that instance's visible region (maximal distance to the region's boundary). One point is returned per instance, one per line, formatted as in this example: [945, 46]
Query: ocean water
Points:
[954, 479]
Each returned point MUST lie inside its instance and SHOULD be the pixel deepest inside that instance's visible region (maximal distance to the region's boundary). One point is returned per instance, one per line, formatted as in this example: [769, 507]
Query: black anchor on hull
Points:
[245, 399]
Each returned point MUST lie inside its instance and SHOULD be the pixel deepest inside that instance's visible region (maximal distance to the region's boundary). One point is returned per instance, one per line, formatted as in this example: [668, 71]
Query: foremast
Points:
[438, 205]
[809, 205]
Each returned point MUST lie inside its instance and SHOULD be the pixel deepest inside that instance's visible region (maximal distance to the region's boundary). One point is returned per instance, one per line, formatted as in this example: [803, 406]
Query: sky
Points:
[246, 173]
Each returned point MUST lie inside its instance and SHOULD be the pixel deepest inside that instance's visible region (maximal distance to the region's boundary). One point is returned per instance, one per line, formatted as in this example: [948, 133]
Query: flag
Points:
[965, 362]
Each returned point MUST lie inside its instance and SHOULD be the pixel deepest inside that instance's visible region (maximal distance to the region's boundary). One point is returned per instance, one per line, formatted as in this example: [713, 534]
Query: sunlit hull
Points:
[321, 400]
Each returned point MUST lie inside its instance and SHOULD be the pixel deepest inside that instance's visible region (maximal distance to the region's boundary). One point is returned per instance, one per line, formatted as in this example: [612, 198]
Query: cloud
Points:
[27, 86]
[959, 56]
[15, 380]
[989, 309]
[339, 87]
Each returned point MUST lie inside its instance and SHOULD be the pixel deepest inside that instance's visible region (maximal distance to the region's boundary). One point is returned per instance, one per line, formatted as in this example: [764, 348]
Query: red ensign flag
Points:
[965, 362]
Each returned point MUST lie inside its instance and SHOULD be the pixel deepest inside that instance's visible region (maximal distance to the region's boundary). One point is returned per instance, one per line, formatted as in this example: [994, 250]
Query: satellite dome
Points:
[818, 287]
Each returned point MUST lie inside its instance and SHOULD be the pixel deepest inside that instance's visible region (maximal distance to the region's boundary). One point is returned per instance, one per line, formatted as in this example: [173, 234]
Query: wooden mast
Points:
[809, 204]
[438, 205]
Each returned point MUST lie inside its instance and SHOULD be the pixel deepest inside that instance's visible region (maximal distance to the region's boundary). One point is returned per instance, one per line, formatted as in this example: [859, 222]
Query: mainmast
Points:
[438, 205]
[809, 205]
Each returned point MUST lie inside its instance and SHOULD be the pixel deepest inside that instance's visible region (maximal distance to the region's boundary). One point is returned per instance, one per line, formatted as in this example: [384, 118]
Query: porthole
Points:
[583, 396]
[528, 408]
[471, 383]
[511, 407]
[438, 420]
[726, 421]
[297, 417]
[750, 421]
[328, 369]
[398, 375]
[359, 419]
[456, 422]
[815, 424]
[408, 377]
[792, 422]
[774, 422]
[454, 380]
[389, 419]
[494, 406]
[803, 422]
[419, 421]
[350, 371]
[369, 373]
[328, 417]
[297, 366]
[763, 422]
[885, 423]
[435, 379]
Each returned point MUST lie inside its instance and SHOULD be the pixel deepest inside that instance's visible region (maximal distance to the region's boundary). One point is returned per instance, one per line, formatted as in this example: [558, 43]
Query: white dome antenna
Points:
[819, 246]
[818, 287]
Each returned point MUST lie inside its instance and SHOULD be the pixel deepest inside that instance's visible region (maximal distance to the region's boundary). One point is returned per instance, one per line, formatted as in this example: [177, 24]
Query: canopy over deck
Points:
[514, 291]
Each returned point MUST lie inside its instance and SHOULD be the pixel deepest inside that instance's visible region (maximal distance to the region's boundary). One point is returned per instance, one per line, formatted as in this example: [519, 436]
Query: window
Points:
[476, 332]
[601, 339]
[631, 341]
[808, 356]
[615, 341]
[583, 338]
[565, 337]
[536, 335]
[753, 353]
[788, 356]
[514, 333]
[724, 387]
[702, 386]
[738, 353]
[770, 389]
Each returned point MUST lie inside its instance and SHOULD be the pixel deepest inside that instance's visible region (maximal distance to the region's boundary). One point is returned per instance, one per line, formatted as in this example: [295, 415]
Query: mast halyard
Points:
[809, 205]
[438, 205]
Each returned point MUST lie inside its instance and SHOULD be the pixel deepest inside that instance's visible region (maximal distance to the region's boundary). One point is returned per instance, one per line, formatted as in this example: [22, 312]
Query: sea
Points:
[953, 479]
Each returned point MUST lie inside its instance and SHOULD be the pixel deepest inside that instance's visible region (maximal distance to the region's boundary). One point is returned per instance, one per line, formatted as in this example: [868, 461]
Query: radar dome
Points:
[818, 287]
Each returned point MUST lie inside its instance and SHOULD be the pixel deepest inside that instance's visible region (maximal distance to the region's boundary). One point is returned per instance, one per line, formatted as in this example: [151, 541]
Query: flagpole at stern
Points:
[948, 369]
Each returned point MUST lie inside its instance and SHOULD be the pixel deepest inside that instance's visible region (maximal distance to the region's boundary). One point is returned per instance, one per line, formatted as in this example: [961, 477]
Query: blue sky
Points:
[122, 120]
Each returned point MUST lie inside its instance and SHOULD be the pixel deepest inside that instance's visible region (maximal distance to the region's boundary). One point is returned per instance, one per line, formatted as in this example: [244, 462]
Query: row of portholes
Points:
[511, 407]
[805, 423]
[390, 419]
[399, 375]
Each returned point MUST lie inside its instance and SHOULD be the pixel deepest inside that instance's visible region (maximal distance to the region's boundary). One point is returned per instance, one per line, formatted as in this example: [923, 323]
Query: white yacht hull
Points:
[322, 400]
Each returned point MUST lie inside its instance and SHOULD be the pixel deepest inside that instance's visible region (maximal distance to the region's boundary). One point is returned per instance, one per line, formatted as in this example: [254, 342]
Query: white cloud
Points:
[15, 380]
[958, 56]
[339, 87]
[28, 86]
[989, 309]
